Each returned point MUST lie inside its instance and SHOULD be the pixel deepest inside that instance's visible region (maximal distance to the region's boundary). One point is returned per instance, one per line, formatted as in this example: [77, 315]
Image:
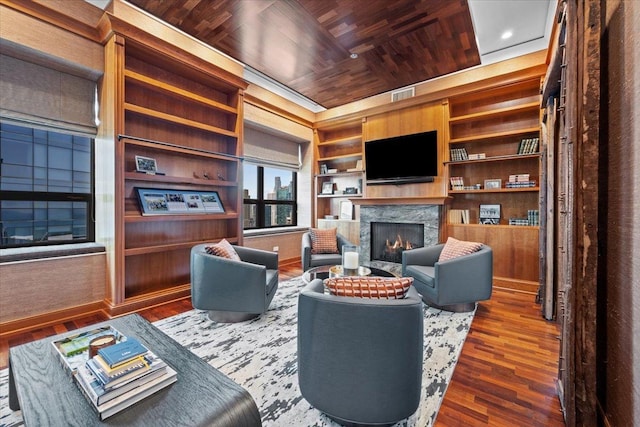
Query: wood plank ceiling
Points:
[306, 44]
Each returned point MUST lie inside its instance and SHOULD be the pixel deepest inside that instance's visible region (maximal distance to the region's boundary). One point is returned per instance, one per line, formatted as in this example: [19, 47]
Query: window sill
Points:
[40, 252]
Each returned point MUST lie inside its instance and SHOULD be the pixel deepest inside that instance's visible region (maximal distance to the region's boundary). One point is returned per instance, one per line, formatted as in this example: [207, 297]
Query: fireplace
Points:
[390, 239]
[427, 215]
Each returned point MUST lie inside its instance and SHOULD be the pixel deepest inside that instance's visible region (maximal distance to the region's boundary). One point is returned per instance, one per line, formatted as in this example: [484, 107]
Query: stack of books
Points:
[119, 375]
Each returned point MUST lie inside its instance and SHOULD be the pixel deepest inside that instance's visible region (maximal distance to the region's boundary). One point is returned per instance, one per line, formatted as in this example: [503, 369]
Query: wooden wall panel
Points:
[421, 118]
[289, 244]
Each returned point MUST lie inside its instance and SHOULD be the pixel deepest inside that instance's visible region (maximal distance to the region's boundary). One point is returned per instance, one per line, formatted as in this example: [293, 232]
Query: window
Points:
[269, 197]
[46, 187]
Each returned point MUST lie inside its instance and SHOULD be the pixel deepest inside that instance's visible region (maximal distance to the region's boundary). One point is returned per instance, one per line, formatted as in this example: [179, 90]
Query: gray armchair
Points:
[233, 291]
[310, 260]
[359, 359]
[455, 284]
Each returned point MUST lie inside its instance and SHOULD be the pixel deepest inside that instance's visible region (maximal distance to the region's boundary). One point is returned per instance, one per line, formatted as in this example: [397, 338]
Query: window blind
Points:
[270, 150]
[37, 95]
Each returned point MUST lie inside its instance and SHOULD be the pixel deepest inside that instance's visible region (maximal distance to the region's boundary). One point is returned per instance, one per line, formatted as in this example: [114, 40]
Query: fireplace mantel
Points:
[368, 201]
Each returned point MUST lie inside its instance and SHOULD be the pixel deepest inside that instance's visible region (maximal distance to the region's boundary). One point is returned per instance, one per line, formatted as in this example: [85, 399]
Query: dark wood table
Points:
[48, 395]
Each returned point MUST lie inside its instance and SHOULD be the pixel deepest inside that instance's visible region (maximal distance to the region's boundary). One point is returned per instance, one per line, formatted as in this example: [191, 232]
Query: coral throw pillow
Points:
[455, 248]
[223, 249]
[324, 241]
[369, 287]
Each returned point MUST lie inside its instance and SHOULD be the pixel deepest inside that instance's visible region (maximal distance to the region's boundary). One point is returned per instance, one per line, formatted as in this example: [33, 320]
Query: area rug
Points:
[260, 355]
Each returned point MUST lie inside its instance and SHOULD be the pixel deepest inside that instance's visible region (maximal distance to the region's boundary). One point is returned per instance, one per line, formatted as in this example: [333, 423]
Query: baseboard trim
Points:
[52, 318]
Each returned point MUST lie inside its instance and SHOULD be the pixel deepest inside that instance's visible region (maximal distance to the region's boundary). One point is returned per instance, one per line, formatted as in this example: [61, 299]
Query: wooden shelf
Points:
[514, 132]
[135, 176]
[508, 157]
[532, 106]
[157, 85]
[340, 174]
[170, 247]
[343, 157]
[179, 217]
[177, 120]
[328, 196]
[340, 141]
[497, 190]
[498, 226]
[182, 150]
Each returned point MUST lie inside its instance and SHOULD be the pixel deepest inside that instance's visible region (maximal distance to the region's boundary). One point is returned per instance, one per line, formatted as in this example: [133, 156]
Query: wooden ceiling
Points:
[306, 44]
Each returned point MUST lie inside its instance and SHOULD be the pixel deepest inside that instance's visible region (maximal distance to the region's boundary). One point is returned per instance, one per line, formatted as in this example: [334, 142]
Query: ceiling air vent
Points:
[401, 94]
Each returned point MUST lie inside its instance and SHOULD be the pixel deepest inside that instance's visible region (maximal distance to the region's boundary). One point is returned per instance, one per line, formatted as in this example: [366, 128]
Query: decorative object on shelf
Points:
[350, 260]
[490, 214]
[491, 184]
[332, 171]
[147, 165]
[351, 190]
[358, 167]
[478, 156]
[346, 209]
[155, 201]
[323, 169]
[327, 188]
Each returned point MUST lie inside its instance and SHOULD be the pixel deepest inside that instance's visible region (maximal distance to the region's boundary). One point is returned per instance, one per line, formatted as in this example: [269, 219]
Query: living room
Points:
[119, 276]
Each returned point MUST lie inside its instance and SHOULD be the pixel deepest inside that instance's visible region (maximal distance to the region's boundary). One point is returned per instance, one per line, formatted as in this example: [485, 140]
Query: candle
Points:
[350, 260]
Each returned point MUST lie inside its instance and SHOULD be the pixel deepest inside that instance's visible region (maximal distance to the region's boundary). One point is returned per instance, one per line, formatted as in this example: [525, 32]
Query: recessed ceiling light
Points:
[353, 56]
[507, 34]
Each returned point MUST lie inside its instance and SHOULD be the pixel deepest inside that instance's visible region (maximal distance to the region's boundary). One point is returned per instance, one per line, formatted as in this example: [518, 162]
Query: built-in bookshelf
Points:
[187, 119]
[494, 160]
[339, 169]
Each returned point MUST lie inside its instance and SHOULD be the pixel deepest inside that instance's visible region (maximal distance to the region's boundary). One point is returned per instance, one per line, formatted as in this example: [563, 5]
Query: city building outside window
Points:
[46, 187]
[269, 197]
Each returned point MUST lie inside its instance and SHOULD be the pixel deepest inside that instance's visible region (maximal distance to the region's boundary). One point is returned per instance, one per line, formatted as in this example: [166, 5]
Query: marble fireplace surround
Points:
[427, 211]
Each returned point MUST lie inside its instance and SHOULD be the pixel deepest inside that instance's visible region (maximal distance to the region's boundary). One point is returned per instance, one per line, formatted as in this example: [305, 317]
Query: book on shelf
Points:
[459, 216]
[132, 396]
[457, 182]
[458, 154]
[528, 145]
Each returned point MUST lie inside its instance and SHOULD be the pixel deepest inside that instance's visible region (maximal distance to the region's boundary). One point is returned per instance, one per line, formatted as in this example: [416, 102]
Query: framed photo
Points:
[327, 188]
[490, 214]
[346, 209]
[154, 201]
[146, 165]
[492, 184]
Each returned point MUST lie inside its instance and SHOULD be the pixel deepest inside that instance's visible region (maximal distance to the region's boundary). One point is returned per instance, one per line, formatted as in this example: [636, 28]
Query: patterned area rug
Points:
[260, 355]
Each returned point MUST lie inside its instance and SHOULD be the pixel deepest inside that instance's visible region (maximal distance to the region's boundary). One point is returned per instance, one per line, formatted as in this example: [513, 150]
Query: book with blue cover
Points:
[122, 352]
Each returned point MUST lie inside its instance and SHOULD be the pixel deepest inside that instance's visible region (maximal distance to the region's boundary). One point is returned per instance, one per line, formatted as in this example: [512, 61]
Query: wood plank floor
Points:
[505, 376]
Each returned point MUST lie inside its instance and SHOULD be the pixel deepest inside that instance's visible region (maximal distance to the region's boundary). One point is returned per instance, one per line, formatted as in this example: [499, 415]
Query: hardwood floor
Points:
[505, 376]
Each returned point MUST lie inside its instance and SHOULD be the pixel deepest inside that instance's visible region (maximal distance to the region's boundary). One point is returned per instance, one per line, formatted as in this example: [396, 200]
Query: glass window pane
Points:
[278, 184]
[277, 215]
[250, 181]
[250, 213]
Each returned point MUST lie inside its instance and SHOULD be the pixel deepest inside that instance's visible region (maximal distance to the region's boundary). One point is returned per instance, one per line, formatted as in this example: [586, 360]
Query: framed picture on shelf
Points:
[492, 184]
[146, 165]
[154, 201]
[490, 214]
[327, 188]
[346, 209]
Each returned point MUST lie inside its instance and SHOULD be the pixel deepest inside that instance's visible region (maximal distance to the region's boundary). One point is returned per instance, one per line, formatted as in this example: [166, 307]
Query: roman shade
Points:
[39, 96]
[270, 150]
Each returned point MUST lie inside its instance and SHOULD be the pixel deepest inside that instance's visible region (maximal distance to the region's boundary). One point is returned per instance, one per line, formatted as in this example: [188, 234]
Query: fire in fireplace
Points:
[390, 239]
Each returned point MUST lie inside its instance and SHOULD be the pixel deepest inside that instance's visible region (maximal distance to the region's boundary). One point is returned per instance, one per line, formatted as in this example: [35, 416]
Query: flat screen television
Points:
[402, 159]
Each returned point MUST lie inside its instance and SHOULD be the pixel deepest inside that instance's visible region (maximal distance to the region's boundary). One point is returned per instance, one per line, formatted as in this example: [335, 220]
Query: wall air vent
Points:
[401, 94]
